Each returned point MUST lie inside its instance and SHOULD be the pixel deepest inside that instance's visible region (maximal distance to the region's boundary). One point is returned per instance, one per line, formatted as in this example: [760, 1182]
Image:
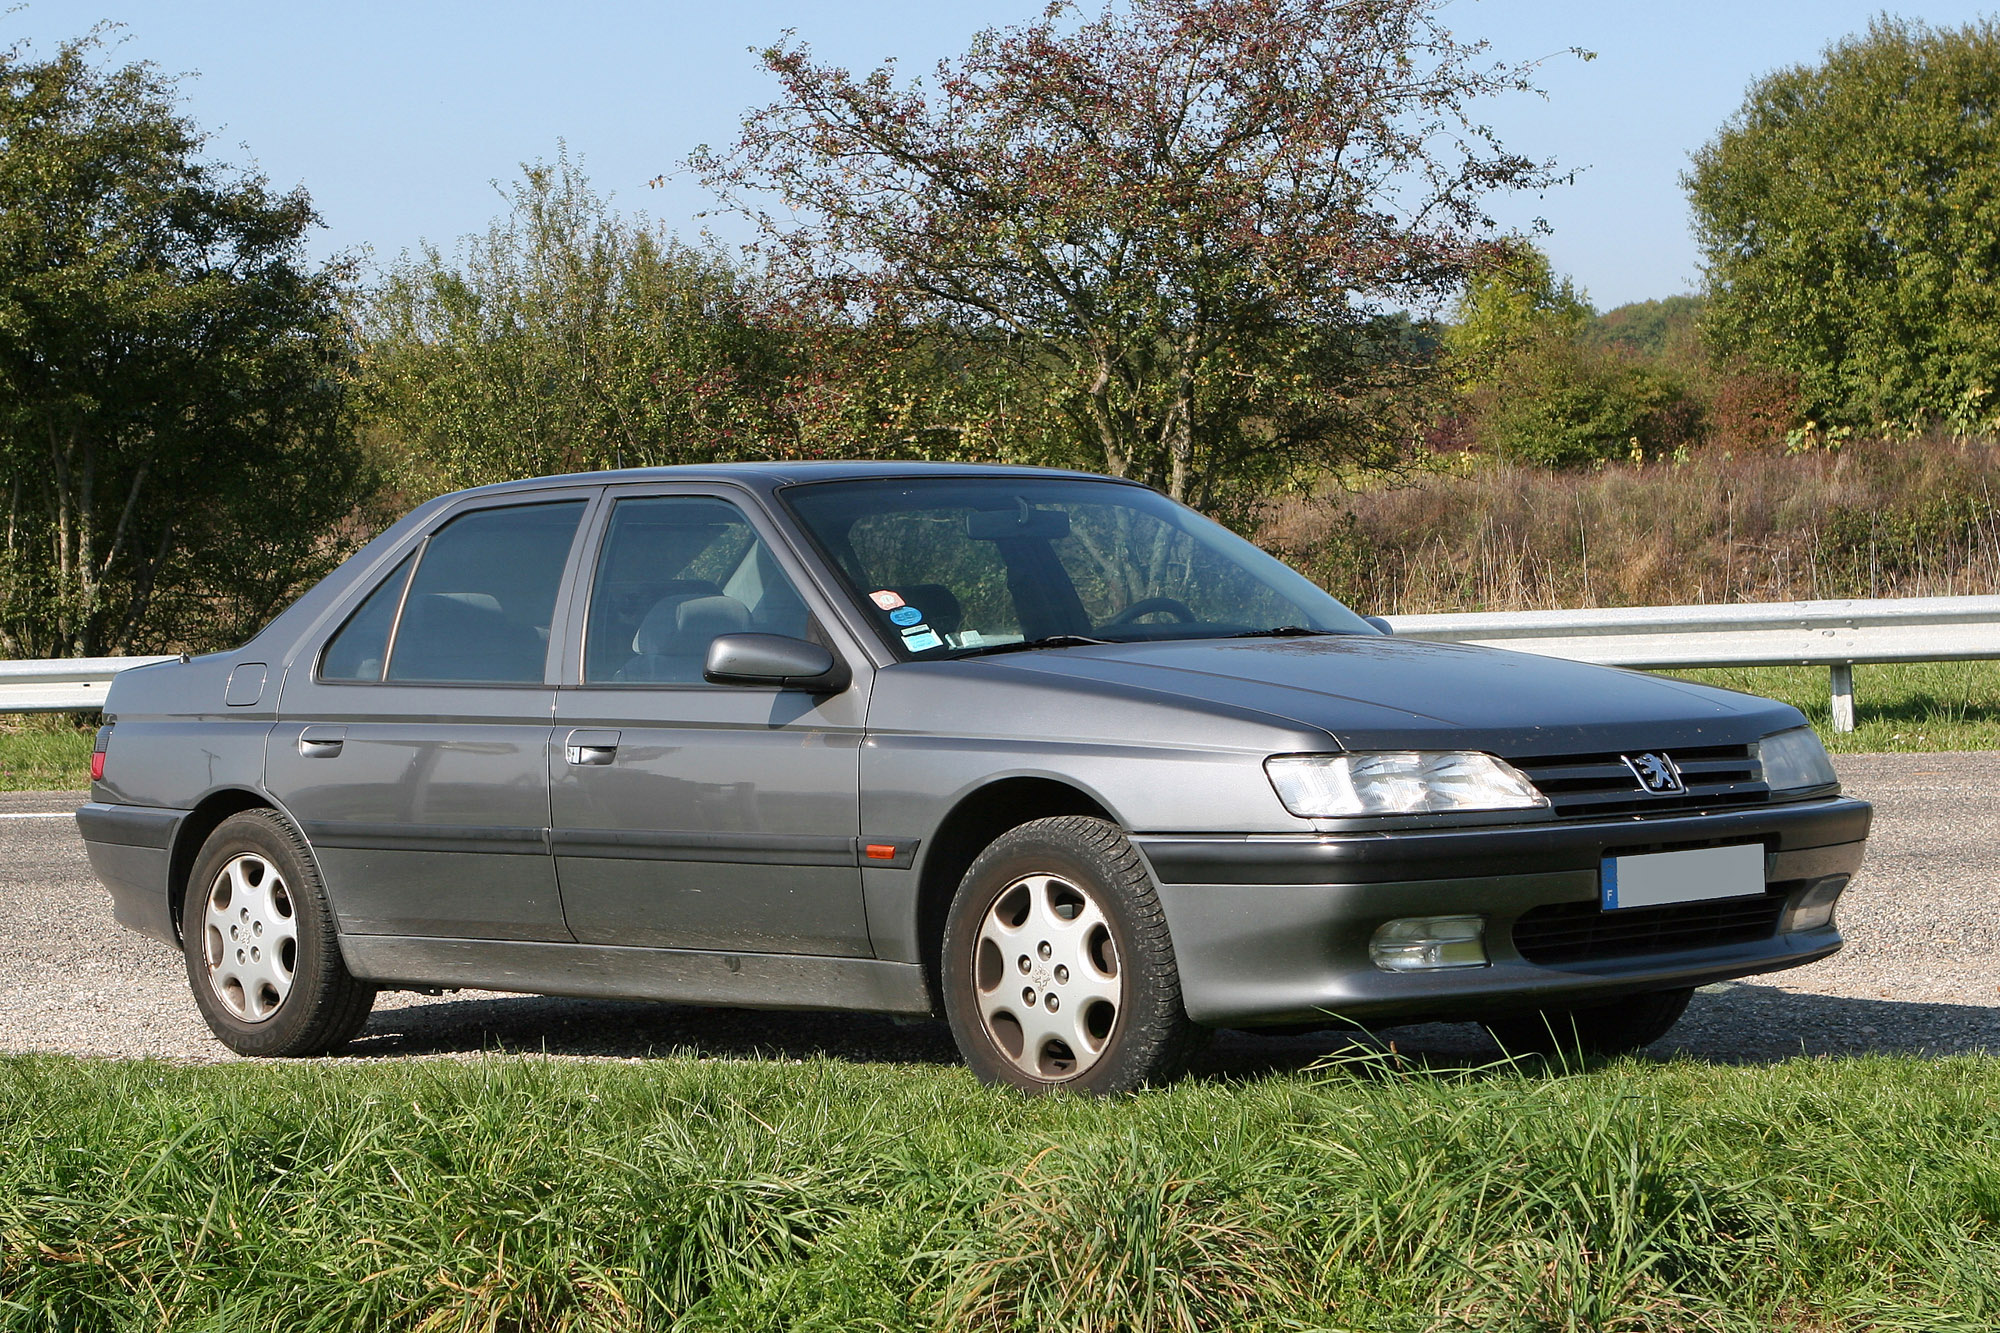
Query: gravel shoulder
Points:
[1920, 974]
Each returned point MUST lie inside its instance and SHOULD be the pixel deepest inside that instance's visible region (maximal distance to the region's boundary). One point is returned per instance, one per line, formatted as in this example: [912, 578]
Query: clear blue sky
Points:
[398, 116]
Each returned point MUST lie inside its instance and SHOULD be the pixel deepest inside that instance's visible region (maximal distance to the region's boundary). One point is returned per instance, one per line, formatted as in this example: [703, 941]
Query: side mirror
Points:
[774, 659]
[1380, 624]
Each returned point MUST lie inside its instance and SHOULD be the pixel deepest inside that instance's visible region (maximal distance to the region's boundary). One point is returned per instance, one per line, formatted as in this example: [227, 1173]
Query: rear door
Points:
[689, 815]
[413, 749]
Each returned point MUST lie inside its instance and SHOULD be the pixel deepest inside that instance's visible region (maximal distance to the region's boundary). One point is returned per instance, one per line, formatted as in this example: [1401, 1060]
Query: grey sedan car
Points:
[1044, 752]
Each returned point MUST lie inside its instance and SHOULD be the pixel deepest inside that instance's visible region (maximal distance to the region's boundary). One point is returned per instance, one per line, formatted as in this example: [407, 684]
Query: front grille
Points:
[1584, 932]
[1593, 785]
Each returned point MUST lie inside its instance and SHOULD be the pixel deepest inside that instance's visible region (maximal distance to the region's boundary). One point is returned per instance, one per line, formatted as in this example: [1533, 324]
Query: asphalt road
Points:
[1920, 973]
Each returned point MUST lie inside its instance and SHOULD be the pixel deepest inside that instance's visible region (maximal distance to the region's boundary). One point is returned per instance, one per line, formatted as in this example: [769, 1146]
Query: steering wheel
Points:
[1146, 606]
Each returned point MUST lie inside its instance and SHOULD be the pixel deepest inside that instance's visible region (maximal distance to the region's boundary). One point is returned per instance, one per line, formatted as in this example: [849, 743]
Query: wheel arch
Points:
[193, 834]
[973, 822]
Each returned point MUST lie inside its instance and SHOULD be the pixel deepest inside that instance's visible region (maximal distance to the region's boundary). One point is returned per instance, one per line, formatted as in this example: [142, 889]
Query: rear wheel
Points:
[1616, 1027]
[259, 942]
[1058, 971]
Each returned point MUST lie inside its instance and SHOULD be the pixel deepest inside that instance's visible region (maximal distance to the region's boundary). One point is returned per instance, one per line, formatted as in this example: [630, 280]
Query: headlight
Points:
[1795, 759]
[1399, 782]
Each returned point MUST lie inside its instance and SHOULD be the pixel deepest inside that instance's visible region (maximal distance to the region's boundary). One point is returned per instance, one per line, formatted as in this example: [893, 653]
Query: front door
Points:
[413, 753]
[696, 816]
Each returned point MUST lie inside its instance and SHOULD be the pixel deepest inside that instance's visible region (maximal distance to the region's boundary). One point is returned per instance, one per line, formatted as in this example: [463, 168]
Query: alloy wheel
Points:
[251, 929]
[1046, 973]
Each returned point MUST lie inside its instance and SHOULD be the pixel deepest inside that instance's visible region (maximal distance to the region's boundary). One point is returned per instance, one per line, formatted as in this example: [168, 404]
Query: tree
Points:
[1540, 382]
[1511, 303]
[1183, 216]
[1668, 329]
[171, 434]
[1850, 218]
[567, 338]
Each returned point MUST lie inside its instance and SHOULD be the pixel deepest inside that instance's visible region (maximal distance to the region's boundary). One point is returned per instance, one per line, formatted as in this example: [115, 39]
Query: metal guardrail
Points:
[74, 685]
[1835, 635]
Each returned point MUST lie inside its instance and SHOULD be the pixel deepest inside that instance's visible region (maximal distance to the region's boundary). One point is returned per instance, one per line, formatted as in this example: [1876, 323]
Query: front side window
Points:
[483, 596]
[951, 565]
[674, 572]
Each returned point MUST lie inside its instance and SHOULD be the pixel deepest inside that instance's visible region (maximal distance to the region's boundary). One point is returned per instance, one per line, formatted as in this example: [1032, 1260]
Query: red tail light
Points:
[97, 766]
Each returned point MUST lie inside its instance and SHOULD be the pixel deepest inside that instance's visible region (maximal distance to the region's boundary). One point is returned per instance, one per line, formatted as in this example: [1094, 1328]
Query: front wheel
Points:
[1058, 971]
[1617, 1027]
[258, 938]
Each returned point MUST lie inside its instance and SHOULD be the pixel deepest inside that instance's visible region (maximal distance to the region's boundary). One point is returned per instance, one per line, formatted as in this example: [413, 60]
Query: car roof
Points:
[767, 477]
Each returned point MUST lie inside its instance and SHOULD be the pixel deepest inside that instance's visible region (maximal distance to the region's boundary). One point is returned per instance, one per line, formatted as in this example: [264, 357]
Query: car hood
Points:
[1379, 692]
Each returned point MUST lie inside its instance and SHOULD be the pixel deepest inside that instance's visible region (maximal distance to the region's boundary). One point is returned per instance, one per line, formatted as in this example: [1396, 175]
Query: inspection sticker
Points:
[885, 599]
[906, 615]
[921, 638]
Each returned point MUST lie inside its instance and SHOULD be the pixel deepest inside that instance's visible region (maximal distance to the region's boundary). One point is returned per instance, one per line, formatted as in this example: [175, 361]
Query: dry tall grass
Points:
[1876, 519]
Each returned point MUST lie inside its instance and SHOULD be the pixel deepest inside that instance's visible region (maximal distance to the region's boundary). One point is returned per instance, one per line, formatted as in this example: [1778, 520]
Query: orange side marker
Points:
[881, 851]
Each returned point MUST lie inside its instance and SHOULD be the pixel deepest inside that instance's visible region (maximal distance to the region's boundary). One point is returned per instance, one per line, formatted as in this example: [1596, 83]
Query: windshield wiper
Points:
[1023, 645]
[1280, 632]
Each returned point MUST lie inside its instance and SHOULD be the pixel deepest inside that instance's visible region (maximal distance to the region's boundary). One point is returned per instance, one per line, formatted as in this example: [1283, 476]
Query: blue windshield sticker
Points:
[921, 639]
[906, 615]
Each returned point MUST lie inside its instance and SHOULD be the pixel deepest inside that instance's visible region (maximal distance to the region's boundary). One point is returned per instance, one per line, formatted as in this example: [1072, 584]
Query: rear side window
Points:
[484, 594]
[359, 649]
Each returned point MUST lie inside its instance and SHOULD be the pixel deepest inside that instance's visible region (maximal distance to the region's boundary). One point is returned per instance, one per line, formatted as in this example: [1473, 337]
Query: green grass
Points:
[511, 1193]
[44, 752]
[1904, 706]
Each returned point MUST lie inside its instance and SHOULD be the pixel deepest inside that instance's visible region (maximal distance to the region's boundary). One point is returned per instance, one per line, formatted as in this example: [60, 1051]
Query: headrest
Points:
[478, 601]
[702, 618]
[450, 614]
[656, 632]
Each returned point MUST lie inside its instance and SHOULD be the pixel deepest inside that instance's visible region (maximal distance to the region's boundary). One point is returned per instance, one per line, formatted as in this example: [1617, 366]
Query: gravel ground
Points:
[1920, 974]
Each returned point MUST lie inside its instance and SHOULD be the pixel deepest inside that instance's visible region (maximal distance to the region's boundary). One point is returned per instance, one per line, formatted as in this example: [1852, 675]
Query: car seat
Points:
[465, 636]
[671, 644]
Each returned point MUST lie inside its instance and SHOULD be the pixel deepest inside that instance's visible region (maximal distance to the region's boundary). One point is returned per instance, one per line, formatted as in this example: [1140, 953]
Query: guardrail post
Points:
[1841, 675]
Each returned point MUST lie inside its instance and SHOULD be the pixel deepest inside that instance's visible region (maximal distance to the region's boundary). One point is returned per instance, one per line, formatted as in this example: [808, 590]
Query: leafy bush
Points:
[1563, 405]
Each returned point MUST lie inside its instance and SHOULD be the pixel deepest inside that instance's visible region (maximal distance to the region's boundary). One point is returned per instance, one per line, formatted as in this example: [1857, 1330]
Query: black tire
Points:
[1617, 1027]
[323, 1007]
[1145, 1037]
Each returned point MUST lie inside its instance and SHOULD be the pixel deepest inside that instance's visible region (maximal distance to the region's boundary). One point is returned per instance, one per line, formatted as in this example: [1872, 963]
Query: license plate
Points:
[1657, 878]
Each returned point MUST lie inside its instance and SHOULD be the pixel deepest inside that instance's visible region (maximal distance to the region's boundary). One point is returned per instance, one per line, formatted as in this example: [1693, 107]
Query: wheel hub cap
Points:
[251, 937]
[1046, 971]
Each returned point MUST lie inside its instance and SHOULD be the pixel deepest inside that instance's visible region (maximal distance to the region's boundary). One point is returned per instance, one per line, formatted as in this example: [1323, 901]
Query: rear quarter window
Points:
[358, 650]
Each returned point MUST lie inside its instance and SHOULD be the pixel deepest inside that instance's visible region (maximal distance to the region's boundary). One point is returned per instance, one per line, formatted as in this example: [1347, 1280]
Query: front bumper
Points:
[1275, 930]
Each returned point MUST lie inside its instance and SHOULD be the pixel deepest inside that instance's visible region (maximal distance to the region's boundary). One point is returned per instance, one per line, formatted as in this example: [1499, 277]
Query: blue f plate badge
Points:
[1657, 879]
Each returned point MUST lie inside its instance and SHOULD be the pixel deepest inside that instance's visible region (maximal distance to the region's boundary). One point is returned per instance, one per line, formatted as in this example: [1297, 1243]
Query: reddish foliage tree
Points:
[1192, 212]
[1755, 406]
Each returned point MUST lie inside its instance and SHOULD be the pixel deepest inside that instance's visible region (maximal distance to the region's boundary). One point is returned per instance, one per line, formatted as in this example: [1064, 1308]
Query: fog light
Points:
[1424, 943]
[1814, 908]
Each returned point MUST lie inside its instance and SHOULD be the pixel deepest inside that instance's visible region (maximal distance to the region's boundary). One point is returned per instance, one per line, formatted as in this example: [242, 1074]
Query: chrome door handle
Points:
[591, 748]
[322, 742]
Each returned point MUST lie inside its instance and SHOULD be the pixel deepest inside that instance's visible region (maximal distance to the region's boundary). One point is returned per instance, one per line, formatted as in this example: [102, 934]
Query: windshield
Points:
[950, 566]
